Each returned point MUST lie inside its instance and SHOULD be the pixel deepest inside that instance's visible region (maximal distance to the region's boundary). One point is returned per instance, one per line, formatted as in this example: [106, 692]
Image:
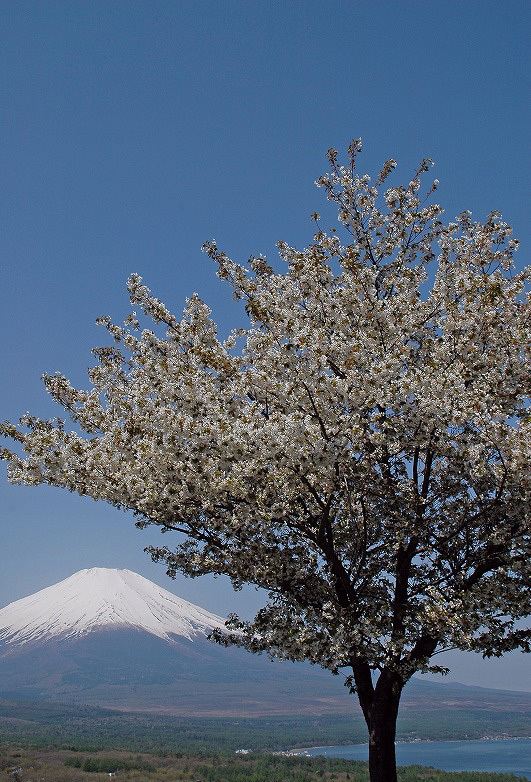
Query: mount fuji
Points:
[112, 638]
[100, 598]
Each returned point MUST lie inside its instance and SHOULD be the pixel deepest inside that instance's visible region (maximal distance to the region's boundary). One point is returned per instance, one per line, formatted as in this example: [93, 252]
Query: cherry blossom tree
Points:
[360, 451]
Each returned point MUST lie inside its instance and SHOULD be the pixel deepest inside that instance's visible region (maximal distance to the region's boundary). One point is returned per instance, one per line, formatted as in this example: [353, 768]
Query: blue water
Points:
[513, 756]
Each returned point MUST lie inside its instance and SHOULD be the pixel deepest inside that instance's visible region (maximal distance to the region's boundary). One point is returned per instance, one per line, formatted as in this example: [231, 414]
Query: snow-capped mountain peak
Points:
[103, 598]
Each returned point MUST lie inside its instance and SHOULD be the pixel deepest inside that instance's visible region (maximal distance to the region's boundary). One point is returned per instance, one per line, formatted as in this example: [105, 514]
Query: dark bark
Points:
[380, 708]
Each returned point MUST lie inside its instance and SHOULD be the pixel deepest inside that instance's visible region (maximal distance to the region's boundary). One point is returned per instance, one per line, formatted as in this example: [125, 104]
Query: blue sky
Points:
[134, 131]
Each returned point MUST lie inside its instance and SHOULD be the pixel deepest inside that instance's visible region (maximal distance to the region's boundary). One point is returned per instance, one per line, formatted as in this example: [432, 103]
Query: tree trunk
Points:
[382, 732]
[380, 709]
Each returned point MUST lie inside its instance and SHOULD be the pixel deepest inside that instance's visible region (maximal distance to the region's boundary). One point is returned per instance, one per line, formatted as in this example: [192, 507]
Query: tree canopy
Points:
[360, 451]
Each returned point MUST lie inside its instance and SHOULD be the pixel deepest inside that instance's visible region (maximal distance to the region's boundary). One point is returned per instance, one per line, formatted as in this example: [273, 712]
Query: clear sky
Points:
[134, 131]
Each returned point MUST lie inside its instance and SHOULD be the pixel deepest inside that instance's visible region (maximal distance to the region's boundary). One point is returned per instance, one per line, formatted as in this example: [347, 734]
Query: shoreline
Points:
[300, 750]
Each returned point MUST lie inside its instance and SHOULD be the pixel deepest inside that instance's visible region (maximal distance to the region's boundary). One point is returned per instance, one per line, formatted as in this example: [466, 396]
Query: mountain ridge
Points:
[110, 637]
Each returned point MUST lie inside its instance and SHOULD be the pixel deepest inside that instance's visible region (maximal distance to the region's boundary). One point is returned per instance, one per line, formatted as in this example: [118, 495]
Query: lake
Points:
[512, 756]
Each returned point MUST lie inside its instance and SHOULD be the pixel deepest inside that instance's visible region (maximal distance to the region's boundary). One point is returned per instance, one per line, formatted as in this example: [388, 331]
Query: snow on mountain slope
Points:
[102, 598]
